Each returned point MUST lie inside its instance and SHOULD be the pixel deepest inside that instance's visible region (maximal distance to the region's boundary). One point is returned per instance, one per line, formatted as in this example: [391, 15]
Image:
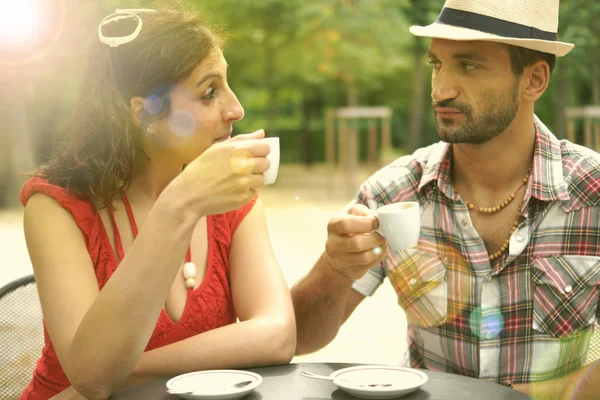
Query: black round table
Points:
[285, 383]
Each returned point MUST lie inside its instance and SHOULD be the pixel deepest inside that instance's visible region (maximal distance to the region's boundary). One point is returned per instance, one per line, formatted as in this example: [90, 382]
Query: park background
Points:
[291, 63]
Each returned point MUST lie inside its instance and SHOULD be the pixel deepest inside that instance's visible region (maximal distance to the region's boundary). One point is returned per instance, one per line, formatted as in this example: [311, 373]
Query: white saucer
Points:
[403, 381]
[214, 384]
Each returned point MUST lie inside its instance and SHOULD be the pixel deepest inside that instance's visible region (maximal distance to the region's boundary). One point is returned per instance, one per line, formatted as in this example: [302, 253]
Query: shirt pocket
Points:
[419, 279]
[565, 293]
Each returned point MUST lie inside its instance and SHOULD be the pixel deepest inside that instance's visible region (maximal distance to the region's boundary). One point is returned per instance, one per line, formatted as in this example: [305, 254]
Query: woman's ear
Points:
[538, 77]
[138, 114]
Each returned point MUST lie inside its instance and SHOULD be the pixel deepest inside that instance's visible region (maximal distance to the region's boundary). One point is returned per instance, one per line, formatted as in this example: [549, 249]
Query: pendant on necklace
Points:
[189, 274]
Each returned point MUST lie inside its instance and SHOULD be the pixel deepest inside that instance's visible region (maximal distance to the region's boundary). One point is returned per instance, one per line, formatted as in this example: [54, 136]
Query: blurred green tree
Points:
[311, 51]
[290, 60]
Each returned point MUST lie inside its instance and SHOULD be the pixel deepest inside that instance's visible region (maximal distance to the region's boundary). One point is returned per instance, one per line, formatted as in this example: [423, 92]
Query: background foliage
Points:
[290, 61]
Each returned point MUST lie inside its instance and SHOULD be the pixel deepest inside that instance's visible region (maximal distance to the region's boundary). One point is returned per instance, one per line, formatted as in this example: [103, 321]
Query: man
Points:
[504, 282]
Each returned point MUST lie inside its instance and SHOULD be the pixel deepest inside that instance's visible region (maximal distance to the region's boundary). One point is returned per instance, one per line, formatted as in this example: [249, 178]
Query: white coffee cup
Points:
[400, 224]
[273, 157]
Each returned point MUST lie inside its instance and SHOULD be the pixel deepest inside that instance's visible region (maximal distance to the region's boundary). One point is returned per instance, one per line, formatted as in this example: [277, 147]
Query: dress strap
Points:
[129, 213]
[118, 243]
[134, 228]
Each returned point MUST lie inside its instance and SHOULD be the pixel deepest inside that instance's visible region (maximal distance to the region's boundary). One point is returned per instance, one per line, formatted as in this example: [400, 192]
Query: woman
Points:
[113, 216]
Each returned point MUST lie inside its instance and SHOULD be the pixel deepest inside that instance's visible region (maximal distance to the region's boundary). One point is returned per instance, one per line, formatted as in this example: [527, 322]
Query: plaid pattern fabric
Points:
[526, 316]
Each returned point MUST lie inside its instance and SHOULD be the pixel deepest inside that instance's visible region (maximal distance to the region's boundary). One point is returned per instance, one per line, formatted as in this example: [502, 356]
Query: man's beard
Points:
[500, 110]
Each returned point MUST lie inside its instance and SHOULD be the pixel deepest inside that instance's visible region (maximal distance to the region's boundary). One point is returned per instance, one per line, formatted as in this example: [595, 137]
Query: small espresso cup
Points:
[273, 157]
[400, 224]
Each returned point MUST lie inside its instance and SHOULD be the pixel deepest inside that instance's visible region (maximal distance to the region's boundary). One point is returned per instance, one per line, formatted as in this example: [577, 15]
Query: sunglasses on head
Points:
[121, 27]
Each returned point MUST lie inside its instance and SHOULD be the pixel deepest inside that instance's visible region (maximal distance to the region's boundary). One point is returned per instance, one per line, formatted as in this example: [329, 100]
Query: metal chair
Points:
[21, 335]
[594, 347]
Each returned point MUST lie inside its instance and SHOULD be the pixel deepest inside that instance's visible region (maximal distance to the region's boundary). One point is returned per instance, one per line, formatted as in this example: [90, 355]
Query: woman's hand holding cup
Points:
[225, 176]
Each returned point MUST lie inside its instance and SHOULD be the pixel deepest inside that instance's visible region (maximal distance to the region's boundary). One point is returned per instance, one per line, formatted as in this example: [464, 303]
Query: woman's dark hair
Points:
[96, 154]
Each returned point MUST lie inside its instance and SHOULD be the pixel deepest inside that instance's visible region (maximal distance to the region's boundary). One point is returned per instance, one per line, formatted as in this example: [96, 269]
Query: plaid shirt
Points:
[526, 316]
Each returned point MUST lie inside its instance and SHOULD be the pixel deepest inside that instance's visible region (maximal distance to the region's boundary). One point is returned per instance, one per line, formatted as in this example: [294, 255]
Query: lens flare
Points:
[242, 162]
[182, 123]
[487, 323]
[20, 21]
[153, 104]
[29, 29]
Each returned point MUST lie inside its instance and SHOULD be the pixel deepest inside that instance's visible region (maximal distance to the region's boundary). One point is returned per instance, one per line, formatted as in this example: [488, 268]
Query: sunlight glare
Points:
[20, 21]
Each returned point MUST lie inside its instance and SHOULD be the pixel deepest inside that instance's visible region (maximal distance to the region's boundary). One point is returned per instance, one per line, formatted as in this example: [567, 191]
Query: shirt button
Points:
[488, 335]
[464, 223]
[568, 289]
[520, 238]
[413, 282]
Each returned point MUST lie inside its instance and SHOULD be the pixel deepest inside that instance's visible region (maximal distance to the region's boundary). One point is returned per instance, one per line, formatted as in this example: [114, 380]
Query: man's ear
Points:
[537, 79]
[138, 114]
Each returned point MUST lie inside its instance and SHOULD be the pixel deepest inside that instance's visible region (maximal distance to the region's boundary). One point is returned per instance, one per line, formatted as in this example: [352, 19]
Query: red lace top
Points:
[209, 306]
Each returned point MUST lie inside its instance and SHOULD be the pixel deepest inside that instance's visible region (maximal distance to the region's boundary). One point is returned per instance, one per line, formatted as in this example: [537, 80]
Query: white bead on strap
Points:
[189, 274]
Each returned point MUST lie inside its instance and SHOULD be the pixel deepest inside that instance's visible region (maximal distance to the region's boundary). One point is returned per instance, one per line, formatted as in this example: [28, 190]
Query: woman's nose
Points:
[234, 110]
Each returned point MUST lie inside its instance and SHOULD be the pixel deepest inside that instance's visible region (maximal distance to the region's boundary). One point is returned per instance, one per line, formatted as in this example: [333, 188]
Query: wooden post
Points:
[591, 128]
[596, 126]
[352, 173]
[330, 137]
[342, 141]
[587, 133]
[571, 130]
[372, 146]
[386, 132]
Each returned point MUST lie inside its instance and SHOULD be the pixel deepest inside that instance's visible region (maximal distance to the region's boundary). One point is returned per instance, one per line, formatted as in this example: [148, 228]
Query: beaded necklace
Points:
[189, 268]
[495, 209]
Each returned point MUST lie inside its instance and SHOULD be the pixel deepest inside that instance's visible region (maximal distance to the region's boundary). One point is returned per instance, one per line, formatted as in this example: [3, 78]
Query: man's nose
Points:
[443, 88]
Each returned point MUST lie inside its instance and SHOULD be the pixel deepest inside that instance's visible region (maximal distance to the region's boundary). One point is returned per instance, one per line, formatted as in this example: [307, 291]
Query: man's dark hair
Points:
[520, 57]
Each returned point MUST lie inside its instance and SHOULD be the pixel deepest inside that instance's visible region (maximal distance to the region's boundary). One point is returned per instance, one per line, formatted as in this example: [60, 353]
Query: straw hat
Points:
[532, 24]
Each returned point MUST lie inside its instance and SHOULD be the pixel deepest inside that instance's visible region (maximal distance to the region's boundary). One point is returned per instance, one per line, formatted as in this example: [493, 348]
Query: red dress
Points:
[209, 306]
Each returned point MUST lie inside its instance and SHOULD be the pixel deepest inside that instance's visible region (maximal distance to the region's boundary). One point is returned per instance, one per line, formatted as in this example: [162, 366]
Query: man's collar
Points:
[547, 183]
[437, 168]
